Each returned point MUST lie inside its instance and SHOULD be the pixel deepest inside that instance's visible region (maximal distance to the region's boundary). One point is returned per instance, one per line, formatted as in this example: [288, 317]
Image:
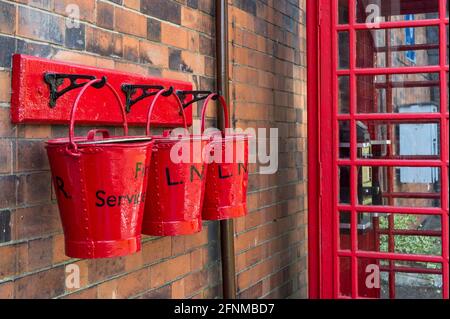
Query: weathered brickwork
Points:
[173, 39]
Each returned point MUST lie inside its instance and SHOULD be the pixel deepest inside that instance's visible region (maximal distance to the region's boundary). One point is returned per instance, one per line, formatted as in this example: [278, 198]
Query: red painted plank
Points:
[30, 96]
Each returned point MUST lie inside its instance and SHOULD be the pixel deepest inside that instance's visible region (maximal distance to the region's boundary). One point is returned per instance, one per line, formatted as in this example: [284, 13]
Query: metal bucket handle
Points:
[224, 108]
[72, 148]
[165, 92]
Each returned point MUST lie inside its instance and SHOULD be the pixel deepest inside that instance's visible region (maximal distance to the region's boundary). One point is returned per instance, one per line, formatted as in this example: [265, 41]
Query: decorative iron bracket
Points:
[198, 96]
[131, 89]
[55, 80]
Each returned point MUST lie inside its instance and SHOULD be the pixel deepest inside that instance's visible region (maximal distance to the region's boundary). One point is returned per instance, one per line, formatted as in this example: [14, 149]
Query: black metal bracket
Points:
[55, 80]
[146, 91]
[198, 96]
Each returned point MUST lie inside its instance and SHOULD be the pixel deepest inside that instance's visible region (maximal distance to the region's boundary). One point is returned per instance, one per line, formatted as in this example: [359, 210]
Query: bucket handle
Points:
[91, 134]
[73, 146]
[223, 104]
[165, 92]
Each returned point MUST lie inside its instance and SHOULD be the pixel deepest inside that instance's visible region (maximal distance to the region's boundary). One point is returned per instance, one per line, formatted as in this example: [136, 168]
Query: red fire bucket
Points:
[100, 184]
[176, 188]
[227, 171]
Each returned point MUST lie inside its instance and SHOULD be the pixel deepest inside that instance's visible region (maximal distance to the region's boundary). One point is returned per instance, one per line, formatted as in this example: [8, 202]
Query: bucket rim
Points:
[182, 138]
[112, 141]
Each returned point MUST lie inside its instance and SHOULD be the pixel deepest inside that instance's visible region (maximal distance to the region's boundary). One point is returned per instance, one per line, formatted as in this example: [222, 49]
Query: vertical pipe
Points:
[222, 70]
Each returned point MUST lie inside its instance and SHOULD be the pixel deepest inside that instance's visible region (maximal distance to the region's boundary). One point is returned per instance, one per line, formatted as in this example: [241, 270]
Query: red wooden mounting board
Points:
[30, 96]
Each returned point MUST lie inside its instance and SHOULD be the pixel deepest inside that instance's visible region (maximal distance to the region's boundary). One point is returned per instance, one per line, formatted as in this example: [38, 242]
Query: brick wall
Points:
[173, 39]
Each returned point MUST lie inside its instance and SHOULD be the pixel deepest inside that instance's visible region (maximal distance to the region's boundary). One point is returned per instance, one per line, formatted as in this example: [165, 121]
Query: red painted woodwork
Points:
[30, 96]
[334, 271]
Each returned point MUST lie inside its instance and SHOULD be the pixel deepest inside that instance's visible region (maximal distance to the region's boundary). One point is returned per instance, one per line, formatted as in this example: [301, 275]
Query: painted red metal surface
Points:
[335, 272]
[176, 188]
[314, 195]
[100, 186]
[30, 96]
[226, 179]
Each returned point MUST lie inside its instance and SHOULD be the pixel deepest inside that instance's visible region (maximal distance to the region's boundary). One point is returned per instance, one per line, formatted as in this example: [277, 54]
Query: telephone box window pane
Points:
[399, 186]
[344, 139]
[344, 94]
[344, 230]
[345, 276]
[343, 11]
[398, 93]
[373, 282]
[411, 234]
[448, 38]
[344, 184]
[400, 47]
[398, 140]
[408, 222]
[372, 11]
[344, 57]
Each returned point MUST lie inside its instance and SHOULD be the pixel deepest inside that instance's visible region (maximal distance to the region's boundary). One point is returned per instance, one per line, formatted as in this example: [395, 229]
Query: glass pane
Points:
[344, 184]
[418, 280]
[370, 11]
[398, 93]
[400, 233]
[343, 11]
[410, 222]
[398, 140]
[345, 278]
[412, 279]
[344, 58]
[344, 139]
[399, 47]
[448, 53]
[344, 229]
[373, 283]
[344, 94]
[399, 186]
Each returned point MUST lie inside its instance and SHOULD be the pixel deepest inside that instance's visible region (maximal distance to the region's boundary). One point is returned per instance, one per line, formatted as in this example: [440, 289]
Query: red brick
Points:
[7, 290]
[134, 283]
[7, 261]
[34, 188]
[39, 25]
[156, 55]
[102, 269]
[8, 193]
[130, 48]
[105, 15]
[6, 128]
[169, 270]
[130, 22]
[174, 36]
[132, 4]
[156, 249]
[59, 253]
[45, 284]
[5, 83]
[5, 156]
